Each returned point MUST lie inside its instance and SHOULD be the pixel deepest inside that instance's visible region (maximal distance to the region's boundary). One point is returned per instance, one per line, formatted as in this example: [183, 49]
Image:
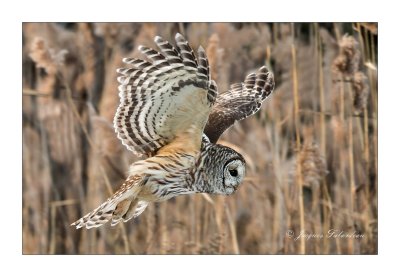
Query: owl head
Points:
[223, 170]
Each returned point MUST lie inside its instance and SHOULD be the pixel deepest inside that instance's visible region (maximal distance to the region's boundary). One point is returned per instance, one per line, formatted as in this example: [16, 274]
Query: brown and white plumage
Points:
[165, 103]
[240, 101]
[160, 99]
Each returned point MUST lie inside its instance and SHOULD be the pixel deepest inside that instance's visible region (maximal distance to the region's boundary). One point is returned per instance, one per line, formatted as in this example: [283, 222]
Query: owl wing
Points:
[164, 96]
[241, 101]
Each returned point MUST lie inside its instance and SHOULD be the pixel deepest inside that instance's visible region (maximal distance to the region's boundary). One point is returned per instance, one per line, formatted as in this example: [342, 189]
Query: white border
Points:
[278, 10]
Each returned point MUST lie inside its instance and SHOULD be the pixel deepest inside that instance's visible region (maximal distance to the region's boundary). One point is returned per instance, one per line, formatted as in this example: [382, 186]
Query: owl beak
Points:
[234, 189]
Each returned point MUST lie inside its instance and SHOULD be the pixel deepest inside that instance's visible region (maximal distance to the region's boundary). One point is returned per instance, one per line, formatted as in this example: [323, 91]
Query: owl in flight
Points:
[171, 112]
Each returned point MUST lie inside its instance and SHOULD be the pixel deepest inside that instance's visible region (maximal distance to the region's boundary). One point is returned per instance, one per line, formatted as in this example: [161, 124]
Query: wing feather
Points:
[239, 102]
[160, 98]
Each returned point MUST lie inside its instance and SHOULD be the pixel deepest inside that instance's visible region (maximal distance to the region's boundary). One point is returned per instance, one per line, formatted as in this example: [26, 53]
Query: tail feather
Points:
[97, 217]
[116, 207]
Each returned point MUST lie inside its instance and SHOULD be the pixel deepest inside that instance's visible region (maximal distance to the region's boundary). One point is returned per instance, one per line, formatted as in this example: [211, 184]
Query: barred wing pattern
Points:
[241, 101]
[164, 96]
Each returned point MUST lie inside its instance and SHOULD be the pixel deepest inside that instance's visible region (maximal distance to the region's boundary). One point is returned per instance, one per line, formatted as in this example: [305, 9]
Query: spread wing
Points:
[164, 96]
[241, 101]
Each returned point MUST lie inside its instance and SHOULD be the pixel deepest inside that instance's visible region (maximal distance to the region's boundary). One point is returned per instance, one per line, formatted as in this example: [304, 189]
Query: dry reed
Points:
[320, 121]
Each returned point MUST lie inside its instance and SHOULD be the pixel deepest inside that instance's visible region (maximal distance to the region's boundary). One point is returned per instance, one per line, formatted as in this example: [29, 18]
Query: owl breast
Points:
[168, 175]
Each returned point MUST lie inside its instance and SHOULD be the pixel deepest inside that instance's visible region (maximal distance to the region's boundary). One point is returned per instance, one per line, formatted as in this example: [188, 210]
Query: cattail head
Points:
[348, 60]
[339, 64]
[361, 92]
[347, 64]
[45, 57]
[349, 46]
[313, 165]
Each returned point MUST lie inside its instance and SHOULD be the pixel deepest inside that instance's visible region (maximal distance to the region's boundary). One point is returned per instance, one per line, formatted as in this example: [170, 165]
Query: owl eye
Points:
[233, 172]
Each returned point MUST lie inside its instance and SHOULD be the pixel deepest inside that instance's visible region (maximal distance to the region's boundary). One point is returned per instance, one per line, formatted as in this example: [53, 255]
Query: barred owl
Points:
[170, 111]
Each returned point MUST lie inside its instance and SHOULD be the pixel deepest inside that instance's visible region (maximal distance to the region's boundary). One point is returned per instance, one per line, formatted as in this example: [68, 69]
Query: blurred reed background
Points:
[311, 150]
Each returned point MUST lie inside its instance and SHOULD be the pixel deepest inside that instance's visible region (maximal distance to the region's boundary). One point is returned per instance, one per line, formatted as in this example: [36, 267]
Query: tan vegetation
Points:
[311, 151]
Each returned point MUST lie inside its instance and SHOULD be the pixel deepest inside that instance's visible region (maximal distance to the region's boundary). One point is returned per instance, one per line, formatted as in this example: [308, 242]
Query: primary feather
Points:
[158, 97]
[240, 101]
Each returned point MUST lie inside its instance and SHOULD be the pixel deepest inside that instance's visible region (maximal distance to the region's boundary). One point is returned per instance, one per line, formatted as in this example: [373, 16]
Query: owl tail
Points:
[122, 206]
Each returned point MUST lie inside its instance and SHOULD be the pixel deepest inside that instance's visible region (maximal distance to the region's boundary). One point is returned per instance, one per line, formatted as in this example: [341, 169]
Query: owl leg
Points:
[128, 209]
[135, 209]
[121, 209]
